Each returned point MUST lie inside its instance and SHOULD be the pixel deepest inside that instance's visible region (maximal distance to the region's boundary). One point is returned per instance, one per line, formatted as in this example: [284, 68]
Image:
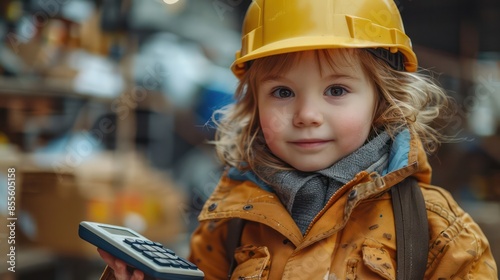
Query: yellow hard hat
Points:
[281, 26]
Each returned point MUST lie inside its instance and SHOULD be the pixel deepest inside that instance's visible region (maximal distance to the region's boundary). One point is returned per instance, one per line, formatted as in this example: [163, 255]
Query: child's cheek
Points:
[272, 129]
[356, 130]
[271, 136]
[275, 120]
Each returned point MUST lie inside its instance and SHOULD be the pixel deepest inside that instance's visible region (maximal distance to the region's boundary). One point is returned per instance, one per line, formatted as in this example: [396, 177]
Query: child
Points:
[329, 116]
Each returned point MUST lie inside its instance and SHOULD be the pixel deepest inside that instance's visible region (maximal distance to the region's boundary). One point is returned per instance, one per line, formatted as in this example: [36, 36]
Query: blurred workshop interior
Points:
[105, 110]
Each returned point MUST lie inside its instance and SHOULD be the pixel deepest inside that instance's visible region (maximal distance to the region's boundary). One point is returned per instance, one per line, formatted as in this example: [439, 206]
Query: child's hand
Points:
[120, 267]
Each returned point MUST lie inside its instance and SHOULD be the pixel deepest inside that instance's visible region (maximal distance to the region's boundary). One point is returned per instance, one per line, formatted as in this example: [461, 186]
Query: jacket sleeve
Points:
[208, 250]
[458, 249]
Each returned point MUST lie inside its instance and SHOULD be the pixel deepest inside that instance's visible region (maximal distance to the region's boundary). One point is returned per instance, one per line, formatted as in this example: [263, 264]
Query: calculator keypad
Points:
[159, 254]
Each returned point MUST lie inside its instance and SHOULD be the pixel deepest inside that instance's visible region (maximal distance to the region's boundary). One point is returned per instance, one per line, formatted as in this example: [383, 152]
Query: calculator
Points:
[137, 251]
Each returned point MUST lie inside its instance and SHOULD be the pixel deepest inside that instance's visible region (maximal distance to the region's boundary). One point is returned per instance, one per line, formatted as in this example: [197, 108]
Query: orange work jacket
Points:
[353, 236]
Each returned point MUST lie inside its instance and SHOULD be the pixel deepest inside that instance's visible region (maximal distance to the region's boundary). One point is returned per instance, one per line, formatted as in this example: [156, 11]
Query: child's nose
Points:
[307, 114]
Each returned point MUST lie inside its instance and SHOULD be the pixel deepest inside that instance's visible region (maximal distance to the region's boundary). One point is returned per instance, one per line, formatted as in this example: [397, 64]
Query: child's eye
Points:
[335, 91]
[282, 92]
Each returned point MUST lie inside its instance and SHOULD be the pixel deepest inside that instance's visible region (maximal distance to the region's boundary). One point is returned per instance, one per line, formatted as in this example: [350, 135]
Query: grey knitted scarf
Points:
[304, 194]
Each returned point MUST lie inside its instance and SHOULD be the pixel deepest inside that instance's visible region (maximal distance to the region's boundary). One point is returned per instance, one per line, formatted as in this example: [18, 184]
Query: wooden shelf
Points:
[38, 87]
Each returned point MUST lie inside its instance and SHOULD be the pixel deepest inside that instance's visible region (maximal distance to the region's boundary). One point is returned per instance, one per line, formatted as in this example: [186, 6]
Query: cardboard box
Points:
[51, 210]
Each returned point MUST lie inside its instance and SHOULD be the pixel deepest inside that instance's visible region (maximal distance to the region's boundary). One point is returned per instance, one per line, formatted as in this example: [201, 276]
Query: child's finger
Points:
[108, 258]
[121, 272]
[137, 275]
[119, 267]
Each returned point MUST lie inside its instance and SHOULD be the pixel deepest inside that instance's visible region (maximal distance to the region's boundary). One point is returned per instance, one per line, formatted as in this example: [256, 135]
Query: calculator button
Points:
[140, 241]
[182, 264]
[149, 248]
[159, 249]
[160, 255]
[190, 264]
[169, 251]
[150, 255]
[129, 241]
[138, 247]
[158, 244]
[162, 262]
[171, 256]
[148, 242]
[174, 263]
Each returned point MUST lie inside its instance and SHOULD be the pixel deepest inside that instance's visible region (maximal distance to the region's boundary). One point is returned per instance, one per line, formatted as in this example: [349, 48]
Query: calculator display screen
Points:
[118, 231]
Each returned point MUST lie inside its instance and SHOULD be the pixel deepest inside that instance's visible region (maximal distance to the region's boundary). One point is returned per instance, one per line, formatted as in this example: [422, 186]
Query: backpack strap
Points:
[412, 229]
[233, 241]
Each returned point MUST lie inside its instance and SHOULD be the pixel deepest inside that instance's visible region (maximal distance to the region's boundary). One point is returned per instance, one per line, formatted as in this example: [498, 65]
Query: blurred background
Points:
[105, 111]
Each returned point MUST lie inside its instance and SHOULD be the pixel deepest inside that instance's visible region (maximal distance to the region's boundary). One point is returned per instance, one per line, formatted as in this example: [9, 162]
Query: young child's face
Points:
[312, 118]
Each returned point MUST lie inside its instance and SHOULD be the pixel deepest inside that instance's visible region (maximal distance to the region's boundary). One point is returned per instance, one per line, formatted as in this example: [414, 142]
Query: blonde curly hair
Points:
[405, 100]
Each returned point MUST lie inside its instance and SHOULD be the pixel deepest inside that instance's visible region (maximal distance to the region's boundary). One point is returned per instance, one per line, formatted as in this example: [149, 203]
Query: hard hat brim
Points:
[322, 42]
